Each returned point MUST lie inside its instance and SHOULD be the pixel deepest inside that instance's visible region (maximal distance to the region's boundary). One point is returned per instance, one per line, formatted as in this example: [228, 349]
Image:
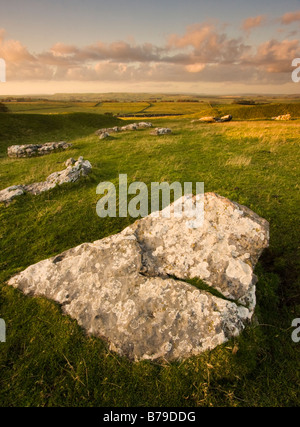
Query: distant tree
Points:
[3, 108]
[244, 102]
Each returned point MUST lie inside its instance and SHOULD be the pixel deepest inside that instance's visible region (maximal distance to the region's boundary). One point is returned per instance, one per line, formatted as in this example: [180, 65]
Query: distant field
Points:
[143, 109]
[49, 107]
[119, 108]
[47, 359]
[159, 97]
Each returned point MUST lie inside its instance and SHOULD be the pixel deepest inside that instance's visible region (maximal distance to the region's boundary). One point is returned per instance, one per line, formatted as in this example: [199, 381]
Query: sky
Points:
[222, 47]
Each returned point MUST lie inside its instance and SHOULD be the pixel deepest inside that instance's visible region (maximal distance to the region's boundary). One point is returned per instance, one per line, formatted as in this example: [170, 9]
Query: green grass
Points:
[54, 108]
[49, 361]
[49, 107]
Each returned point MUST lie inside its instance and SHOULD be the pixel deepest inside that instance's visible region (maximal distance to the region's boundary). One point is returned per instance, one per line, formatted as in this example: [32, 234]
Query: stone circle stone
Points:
[104, 135]
[74, 170]
[283, 117]
[30, 150]
[161, 131]
[130, 288]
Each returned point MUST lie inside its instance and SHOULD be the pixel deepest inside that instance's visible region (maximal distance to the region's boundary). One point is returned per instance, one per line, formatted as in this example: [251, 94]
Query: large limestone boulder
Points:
[122, 287]
[222, 252]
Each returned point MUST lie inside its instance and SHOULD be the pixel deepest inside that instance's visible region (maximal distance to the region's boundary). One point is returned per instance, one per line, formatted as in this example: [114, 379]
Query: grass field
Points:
[264, 108]
[47, 359]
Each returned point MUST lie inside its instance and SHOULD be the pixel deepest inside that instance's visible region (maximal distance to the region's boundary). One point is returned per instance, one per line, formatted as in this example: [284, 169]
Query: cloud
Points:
[274, 56]
[253, 22]
[290, 17]
[207, 45]
[61, 49]
[196, 35]
[195, 68]
[13, 50]
[115, 51]
[203, 53]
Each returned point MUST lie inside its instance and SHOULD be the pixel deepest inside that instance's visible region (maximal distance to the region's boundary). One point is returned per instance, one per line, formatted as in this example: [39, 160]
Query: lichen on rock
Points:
[120, 288]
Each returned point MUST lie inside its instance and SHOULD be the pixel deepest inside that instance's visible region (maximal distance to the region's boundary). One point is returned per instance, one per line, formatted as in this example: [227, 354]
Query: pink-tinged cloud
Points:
[201, 54]
[195, 68]
[274, 56]
[196, 35]
[290, 17]
[61, 49]
[115, 51]
[253, 22]
[208, 45]
[13, 50]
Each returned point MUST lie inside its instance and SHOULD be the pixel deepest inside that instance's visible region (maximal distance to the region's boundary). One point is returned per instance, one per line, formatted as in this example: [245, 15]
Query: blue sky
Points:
[41, 23]
[30, 29]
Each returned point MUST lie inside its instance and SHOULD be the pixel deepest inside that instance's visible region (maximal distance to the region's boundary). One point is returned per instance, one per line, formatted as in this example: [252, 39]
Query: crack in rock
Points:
[119, 288]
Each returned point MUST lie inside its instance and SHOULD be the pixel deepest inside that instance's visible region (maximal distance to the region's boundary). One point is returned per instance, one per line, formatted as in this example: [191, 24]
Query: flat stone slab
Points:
[30, 150]
[131, 126]
[74, 170]
[8, 194]
[211, 119]
[119, 288]
[104, 135]
[100, 132]
[144, 125]
[161, 131]
[283, 117]
[223, 251]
